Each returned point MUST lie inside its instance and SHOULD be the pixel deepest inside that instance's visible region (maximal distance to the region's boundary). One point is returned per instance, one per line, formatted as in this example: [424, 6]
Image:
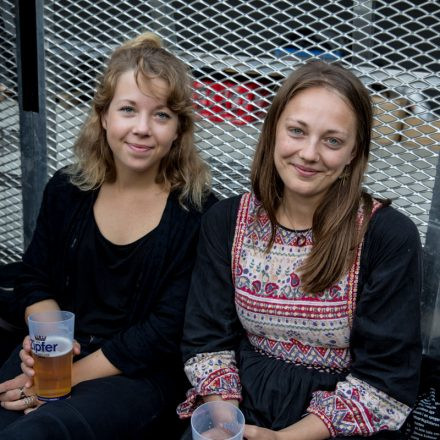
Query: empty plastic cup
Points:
[217, 420]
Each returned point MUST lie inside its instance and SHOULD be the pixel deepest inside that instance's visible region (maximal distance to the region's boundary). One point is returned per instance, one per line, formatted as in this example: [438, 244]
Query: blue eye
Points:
[333, 142]
[126, 109]
[296, 131]
[163, 115]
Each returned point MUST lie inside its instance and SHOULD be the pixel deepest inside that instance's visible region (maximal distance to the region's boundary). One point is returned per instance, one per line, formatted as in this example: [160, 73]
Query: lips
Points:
[139, 148]
[305, 171]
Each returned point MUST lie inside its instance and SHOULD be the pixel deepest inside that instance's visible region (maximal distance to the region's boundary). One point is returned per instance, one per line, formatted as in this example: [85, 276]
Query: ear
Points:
[352, 155]
[104, 121]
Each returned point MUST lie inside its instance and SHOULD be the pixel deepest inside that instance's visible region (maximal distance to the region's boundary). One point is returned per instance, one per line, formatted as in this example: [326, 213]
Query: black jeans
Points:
[110, 408]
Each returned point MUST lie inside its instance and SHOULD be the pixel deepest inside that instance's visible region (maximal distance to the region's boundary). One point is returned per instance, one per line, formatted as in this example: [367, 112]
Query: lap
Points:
[111, 408]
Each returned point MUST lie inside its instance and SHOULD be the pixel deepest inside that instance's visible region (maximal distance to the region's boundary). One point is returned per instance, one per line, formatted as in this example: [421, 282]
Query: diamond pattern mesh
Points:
[239, 52]
[11, 235]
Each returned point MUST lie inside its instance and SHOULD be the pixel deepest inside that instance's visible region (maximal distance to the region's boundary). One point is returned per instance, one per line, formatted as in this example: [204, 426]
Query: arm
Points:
[46, 305]
[41, 259]
[308, 428]
[212, 330]
[93, 366]
[385, 342]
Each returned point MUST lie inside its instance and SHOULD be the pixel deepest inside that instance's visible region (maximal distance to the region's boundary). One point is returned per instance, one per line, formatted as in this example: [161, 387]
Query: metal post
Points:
[431, 283]
[32, 106]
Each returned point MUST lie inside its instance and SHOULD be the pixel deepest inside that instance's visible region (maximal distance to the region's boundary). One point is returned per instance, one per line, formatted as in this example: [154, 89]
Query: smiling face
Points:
[140, 128]
[315, 140]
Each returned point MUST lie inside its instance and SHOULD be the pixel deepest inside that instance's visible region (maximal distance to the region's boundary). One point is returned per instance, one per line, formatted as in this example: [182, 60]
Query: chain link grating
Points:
[239, 52]
[11, 234]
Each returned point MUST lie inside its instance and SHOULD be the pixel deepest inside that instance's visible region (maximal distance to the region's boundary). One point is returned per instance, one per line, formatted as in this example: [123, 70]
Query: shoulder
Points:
[224, 209]
[390, 231]
[187, 208]
[389, 222]
[62, 199]
[60, 185]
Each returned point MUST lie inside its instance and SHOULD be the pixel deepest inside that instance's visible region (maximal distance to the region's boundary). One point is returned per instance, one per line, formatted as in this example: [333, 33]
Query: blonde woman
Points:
[114, 243]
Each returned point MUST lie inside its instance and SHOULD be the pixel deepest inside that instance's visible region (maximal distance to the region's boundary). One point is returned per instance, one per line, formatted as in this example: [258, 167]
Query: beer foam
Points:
[52, 346]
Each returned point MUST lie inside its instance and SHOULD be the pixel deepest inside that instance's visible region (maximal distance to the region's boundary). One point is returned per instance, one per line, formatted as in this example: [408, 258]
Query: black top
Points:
[148, 339]
[385, 340]
[104, 278]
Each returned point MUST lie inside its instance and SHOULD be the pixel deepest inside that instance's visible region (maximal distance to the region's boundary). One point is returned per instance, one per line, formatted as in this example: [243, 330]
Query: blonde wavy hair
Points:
[182, 168]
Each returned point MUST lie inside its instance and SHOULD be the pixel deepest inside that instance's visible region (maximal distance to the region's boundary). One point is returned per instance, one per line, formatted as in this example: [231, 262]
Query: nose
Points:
[142, 125]
[309, 151]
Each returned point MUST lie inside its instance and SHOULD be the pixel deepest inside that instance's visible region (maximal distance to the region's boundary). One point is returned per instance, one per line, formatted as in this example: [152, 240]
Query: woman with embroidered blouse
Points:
[304, 301]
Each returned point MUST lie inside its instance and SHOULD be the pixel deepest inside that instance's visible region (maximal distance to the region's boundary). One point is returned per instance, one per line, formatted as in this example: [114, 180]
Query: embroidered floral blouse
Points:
[324, 332]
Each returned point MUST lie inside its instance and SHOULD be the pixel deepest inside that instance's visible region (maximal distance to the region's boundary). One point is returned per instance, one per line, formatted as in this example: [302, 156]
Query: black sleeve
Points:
[386, 340]
[35, 282]
[211, 321]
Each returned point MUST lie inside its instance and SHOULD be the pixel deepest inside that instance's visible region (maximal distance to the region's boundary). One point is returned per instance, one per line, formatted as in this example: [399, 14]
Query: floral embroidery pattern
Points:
[210, 373]
[356, 408]
[280, 318]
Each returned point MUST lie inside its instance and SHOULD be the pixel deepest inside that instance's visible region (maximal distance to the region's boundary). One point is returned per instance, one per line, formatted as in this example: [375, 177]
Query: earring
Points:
[345, 174]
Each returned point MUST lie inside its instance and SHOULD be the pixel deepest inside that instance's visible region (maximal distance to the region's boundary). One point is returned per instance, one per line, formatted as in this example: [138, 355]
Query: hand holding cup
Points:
[51, 345]
[217, 420]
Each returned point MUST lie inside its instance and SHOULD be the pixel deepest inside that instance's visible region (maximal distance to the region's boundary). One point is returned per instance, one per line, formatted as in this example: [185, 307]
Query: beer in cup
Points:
[51, 336]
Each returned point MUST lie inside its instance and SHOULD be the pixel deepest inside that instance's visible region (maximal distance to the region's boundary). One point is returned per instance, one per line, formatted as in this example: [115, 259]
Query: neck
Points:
[296, 214]
[132, 181]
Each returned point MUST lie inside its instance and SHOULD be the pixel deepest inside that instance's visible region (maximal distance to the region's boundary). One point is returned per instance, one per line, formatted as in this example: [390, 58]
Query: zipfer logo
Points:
[39, 345]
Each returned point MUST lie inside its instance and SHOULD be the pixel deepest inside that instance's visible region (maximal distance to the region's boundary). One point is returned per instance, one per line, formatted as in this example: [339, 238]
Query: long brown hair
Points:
[335, 231]
[181, 168]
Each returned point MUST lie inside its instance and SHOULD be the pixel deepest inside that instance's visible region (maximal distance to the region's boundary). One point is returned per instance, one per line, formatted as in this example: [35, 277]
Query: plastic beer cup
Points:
[217, 420]
[51, 336]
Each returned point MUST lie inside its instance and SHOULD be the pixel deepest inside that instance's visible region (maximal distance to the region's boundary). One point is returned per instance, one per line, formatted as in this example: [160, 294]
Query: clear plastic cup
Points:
[51, 336]
[217, 420]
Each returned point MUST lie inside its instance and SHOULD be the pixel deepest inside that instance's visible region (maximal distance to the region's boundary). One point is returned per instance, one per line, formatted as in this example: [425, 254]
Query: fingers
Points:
[27, 344]
[21, 404]
[8, 385]
[252, 432]
[28, 371]
[27, 361]
[29, 410]
[76, 348]
[14, 394]
[27, 364]
[26, 357]
[249, 432]
[33, 408]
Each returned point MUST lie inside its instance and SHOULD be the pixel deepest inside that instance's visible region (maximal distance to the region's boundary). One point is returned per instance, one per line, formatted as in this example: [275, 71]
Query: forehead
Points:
[320, 99]
[129, 85]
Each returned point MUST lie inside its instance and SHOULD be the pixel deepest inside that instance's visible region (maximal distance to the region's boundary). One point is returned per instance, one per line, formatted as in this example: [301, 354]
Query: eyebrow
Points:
[304, 124]
[134, 103]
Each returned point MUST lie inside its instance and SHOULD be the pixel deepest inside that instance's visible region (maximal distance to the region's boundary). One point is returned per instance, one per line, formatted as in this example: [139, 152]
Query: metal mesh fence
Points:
[11, 234]
[240, 51]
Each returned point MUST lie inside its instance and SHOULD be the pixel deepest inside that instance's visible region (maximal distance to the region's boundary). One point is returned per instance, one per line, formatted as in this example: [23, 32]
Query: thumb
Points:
[250, 432]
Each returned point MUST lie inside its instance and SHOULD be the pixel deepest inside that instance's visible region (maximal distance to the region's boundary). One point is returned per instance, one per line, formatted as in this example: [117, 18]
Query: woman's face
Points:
[315, 140]
[140, 128]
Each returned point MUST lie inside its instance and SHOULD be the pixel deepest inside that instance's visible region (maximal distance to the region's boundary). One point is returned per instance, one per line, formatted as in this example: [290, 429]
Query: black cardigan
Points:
[156, 312]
